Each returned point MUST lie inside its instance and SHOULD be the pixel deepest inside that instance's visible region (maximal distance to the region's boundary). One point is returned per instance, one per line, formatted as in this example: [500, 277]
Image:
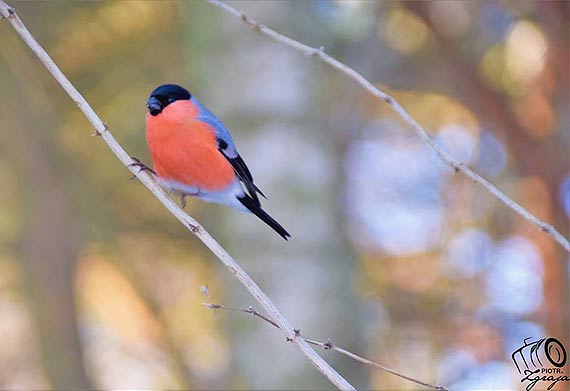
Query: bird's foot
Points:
[184, 195]
[141, 166]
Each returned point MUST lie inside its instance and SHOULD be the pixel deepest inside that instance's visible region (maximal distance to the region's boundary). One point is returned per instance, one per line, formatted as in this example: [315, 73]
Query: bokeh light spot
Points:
[403, 31]
[514, 282]
[467, 253]
[524, 51]
[451, 18]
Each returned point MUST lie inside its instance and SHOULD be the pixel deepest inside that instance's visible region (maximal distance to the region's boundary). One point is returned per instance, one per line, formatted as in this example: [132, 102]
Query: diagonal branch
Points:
[456, 165]
[328, 346]
[102, 130]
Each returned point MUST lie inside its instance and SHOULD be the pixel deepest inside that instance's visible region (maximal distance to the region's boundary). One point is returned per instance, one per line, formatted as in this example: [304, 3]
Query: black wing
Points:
[242, 172]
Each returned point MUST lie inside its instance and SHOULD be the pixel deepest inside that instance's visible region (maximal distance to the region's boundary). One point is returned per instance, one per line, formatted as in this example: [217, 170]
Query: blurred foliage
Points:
[393, 256]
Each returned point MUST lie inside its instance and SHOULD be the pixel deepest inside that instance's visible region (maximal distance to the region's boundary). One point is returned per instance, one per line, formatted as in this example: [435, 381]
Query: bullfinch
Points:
[193, 154]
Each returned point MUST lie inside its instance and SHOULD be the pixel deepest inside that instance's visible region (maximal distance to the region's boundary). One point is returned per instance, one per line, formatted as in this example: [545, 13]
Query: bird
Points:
[193, 154]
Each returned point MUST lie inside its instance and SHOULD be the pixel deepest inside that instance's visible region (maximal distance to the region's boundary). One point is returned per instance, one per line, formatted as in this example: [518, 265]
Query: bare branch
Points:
[102, 130]
[437, 150]
[328, 346]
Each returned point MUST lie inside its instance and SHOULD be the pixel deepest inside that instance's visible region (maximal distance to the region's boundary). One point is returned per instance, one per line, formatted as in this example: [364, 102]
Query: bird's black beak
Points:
[154, 106]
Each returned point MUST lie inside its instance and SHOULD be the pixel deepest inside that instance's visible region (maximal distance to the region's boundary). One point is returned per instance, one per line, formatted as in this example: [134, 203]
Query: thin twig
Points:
[439, 152]
[102, 130]
[327, 345]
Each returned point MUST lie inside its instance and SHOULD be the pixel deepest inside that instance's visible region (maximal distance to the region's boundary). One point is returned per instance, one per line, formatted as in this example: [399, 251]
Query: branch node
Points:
[297, 332]
[194, 228]
[96, 133]
[250, 22]
[318, 51]
[212, 306]
[328, 345]
[458, 166]
[10, 11]
[388, 99]
[289, 339]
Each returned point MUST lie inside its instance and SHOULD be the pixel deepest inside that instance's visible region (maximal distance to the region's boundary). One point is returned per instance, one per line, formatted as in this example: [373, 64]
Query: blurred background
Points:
[393, 256]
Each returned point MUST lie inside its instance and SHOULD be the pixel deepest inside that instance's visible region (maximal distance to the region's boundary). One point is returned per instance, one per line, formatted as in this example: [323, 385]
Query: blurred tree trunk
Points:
[49, 251]
[48, 244]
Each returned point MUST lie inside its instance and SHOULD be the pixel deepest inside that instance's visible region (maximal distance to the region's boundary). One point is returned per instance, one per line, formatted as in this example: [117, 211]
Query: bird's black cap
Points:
[164, 95]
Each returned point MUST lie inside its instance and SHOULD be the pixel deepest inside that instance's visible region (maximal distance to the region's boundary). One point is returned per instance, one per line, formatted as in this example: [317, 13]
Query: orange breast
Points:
[185, 150]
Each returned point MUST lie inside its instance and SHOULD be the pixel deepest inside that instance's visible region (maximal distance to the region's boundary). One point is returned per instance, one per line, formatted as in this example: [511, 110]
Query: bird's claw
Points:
[141, 166]
[183, 196]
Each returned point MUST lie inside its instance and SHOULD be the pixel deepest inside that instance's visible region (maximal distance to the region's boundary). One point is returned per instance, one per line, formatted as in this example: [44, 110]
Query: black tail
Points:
[250, 204]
